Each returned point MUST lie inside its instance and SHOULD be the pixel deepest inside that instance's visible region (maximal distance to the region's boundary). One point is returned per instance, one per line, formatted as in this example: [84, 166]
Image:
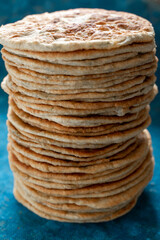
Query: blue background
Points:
[16, 222]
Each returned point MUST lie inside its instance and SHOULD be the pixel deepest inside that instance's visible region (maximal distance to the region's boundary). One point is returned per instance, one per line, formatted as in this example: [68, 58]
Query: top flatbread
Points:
[76, 29]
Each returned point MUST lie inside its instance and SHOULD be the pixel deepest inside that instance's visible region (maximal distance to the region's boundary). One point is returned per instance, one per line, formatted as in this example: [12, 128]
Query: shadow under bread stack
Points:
[80, 83]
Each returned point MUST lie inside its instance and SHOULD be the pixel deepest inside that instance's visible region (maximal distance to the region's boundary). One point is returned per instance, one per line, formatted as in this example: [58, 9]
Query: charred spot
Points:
[56, 20]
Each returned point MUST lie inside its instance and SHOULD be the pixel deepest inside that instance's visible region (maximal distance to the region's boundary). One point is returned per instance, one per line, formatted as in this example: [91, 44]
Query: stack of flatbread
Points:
[80, 83]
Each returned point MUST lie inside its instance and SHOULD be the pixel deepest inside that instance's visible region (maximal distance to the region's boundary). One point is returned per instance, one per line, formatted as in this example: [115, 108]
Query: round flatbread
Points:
[76, 29]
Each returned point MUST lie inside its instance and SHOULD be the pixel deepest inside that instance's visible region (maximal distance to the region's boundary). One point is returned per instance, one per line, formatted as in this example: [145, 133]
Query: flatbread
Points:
[62, 89]
[110, 126]
[102, 139]
[90, 122]
[27, 204]
[71, 57]
[95, 202]
[127, 88]
[70, 154]
[77, 178]
[83, 80]
[76, 29]
[93, 62]
[99, 190]
[79, 98]
[48, 164]
[57, 69]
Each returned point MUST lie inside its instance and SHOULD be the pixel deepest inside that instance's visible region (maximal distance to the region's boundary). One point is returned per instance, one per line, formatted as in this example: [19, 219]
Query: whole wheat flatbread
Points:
[102, 139]
[99, 190]
[84, 156]
[48, 164]
[76, 29]
[127, 88]
[86, 201]
[93, 62]
[57, 69]
[27, 204]
[99, 120]
[110, 126]
[71, 57]
[77, 178]
[86, 97]
[82, 81]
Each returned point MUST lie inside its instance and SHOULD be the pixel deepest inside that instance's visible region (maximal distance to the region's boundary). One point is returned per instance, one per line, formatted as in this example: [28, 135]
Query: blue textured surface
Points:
[16, 222]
